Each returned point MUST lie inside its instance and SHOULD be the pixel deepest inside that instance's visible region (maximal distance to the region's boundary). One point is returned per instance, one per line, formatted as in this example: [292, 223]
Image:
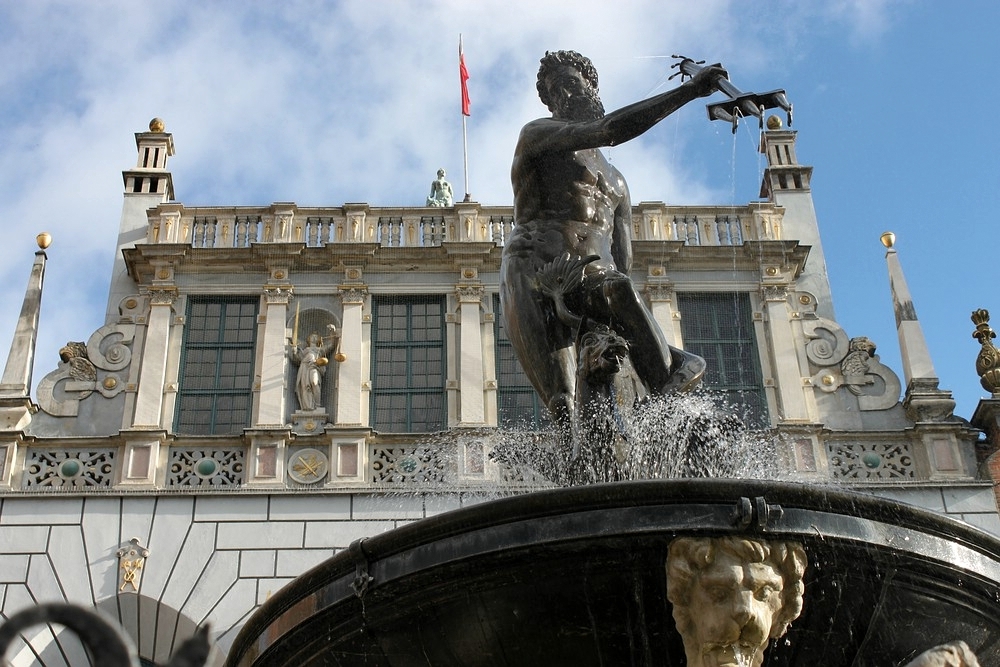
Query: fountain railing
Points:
[414, 227]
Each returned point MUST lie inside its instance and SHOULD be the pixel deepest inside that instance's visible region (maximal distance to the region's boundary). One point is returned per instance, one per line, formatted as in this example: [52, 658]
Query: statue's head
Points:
[732, 594]
[567, 85]
[314, 340]
[441, 173]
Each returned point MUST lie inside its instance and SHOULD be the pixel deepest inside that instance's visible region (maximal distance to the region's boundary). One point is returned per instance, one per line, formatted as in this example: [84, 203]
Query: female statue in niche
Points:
[312, 359]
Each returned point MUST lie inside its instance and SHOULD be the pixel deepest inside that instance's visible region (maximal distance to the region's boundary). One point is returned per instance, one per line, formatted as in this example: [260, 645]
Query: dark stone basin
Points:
[577, 577]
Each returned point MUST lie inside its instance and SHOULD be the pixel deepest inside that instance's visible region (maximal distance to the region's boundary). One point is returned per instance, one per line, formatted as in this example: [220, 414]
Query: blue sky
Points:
[323, 103]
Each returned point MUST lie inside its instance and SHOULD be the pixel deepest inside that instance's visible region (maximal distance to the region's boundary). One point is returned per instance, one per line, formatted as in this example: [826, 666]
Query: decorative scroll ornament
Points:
[850, 363]
[988, 361]
[86, 368]
[131, 558]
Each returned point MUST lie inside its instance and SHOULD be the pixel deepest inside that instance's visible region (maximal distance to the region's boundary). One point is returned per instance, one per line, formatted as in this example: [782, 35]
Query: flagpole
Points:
[464, 75]
[465, 157]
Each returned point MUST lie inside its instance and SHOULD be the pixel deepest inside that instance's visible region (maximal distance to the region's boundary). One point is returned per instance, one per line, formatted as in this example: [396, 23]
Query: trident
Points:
[739, 103]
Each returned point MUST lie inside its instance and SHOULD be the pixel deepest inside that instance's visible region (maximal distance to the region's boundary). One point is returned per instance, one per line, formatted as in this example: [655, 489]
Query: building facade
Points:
[274, 383]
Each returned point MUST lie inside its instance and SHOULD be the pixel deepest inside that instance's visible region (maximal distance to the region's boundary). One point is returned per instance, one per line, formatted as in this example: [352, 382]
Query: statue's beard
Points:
[583, 107]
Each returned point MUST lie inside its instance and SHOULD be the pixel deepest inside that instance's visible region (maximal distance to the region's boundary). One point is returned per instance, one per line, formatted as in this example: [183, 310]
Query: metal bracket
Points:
[756, 514]
[362, 579]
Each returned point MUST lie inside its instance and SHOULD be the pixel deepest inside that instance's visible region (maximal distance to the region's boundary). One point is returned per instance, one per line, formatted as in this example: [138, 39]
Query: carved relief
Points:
[850, 363]
[864, 460]
[407, 465]
[206, 467]
[732, 595]
[86, 368]
[469, 293]
[131, 558]
[68, 468]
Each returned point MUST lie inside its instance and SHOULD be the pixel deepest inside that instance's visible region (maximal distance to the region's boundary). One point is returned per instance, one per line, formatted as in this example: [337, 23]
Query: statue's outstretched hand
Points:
[706, 81]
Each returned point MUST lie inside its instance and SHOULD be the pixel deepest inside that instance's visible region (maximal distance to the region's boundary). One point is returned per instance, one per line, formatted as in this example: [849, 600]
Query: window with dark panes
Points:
[518, 405]
[215, 389]
[408, 364]
[719, 327]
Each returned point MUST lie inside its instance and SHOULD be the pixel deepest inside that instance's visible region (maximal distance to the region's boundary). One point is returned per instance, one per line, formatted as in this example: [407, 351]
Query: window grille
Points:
[216, 379]
[408, 364]
[518, 405]
[719, 327]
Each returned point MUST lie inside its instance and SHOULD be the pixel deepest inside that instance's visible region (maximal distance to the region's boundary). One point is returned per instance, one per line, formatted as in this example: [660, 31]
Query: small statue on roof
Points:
[441, 192]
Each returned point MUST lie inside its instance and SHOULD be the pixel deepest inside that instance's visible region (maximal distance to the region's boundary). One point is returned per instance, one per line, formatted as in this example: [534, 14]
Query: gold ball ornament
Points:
[44, 240]
[156, 125]
[773, 123]
[888, 239]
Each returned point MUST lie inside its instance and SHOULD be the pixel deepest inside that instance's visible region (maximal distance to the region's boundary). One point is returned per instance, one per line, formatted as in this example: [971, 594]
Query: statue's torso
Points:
[567, 202]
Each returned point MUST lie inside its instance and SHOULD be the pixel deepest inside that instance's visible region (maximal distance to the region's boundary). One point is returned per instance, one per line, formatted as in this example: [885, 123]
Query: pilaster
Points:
[788, 375]
[660, 293]
[270, 386]
[472, 379]
[152, 374]
[352, 396]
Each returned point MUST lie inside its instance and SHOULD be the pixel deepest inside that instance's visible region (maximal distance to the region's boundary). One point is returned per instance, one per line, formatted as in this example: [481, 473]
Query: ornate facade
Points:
[167, 472]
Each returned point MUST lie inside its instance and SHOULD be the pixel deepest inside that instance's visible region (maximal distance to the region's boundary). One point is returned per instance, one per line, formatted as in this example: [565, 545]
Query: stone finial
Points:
[988, 361]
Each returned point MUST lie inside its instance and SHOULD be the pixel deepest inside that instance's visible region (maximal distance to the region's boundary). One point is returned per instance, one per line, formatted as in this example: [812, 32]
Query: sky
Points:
[322, 103]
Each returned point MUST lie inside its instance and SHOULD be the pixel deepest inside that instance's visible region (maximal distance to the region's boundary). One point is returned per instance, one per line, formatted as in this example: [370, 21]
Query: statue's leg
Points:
[544, 346]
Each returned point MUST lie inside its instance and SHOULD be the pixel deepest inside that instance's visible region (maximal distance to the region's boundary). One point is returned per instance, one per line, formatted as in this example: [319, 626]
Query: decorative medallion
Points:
[308, 466]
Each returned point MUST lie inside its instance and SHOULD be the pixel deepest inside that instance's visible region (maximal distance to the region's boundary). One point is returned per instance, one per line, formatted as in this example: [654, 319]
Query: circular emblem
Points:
[307, 466]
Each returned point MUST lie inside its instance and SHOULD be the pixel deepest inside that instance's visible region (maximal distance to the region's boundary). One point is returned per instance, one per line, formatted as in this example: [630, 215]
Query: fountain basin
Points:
[577, 576]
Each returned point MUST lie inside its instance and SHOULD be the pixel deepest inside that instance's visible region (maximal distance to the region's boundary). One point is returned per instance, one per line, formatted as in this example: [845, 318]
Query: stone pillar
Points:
[472, 379]
[351, 396]
[152, 374]
[270, 408]
[788, 374]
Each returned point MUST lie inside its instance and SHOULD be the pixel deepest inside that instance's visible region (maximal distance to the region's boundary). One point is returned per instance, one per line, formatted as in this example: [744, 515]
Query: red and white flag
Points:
[463, 74]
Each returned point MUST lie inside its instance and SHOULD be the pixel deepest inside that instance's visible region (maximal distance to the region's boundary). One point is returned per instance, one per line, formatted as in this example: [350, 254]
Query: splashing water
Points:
[665, 437]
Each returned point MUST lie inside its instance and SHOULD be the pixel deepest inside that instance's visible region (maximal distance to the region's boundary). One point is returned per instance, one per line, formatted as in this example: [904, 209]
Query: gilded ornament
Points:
[888, 239]
[44, 240]
[156, 125]
[988, 361]
[308, 466]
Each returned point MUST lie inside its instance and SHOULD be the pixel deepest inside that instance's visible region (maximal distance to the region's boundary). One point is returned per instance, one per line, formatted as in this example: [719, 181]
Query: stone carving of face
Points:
[731, 595]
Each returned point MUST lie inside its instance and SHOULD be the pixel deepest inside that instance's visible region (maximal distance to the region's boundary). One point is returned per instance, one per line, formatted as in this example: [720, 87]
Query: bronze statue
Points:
[565, 266]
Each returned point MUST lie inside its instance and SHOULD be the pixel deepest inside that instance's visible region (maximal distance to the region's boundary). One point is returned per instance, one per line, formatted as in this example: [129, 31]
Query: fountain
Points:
[704, 572]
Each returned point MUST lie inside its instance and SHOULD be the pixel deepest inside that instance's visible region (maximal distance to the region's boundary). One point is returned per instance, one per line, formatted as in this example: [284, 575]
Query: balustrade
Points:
[410, 228]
